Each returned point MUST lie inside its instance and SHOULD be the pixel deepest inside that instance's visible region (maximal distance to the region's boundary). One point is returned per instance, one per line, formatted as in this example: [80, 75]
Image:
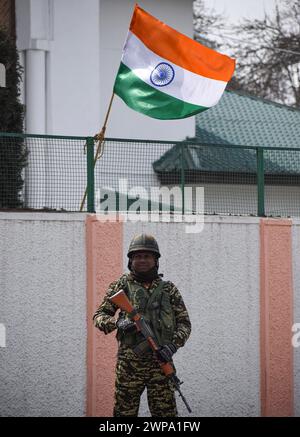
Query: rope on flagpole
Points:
[100, 147]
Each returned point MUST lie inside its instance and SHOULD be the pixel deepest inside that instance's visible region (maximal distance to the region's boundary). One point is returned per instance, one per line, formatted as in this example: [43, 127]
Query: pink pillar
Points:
[276, 317]
[104, 251]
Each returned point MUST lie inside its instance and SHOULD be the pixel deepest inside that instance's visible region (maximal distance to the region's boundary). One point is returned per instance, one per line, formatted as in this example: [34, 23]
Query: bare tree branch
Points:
[267, 51]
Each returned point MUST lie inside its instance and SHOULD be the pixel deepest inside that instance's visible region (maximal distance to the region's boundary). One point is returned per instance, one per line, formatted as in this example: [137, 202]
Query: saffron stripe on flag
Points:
[180, 49]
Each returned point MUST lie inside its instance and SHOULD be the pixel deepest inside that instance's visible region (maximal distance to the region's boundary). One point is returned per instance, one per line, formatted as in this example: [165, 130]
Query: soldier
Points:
[162, 305]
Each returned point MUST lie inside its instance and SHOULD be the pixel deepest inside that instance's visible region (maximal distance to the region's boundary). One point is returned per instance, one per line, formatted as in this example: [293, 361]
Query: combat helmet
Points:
[143, 242]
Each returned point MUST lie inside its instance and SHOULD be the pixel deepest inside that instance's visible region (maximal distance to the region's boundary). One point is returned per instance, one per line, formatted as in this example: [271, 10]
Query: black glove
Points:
[165, 353]
[126, 325]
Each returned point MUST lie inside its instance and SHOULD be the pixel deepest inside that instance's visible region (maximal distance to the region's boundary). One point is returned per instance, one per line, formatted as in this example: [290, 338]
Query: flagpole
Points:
[100, 138]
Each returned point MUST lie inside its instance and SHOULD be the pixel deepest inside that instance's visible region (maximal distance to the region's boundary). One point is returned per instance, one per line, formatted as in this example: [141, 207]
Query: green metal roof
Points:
[218, 159]
[239, 120]
[242, 119]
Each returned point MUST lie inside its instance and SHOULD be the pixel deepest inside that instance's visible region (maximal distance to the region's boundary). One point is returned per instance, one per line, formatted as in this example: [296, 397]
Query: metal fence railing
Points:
[52, 173]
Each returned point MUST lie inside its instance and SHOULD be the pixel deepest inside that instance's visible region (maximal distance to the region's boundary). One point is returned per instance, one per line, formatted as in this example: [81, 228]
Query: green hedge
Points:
[13, 153]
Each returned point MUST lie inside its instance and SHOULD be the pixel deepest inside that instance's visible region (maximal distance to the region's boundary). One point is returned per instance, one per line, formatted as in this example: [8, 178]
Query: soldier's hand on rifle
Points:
[165, 353]
[126, 325]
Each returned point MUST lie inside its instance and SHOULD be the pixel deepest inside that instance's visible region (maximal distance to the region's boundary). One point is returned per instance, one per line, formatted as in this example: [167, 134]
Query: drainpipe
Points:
[35, 86]
[33, 31]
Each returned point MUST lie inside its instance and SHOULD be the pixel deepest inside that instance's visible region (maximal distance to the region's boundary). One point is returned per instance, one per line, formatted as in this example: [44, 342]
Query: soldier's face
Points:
[143, 261]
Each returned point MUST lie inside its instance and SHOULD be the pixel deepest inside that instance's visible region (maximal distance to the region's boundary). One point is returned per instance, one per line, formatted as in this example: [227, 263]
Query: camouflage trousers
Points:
[133, 375]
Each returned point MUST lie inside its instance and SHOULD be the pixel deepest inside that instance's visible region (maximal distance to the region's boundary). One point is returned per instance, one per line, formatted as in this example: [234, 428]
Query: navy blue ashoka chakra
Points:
[162, 75]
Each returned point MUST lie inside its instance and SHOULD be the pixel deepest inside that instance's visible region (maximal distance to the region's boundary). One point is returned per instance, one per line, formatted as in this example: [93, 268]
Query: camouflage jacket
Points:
[104, 316]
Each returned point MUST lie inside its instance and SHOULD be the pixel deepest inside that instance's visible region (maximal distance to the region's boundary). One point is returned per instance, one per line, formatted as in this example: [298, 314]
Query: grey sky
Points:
[235, 10]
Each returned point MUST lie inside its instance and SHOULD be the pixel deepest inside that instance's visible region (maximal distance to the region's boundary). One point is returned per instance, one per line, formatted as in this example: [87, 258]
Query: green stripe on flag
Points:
[142, 97]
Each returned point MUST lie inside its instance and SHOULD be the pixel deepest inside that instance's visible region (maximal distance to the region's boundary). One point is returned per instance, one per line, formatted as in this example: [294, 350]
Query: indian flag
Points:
[166, 75]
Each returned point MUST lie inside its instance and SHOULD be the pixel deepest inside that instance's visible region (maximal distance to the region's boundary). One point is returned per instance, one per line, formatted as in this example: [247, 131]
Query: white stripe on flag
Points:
[187, 86]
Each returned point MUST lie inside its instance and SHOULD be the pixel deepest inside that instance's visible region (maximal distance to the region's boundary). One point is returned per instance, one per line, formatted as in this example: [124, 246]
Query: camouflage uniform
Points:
[134, 373]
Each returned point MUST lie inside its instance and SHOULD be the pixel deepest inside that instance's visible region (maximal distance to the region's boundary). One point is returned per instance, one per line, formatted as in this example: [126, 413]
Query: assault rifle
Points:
[121, 300]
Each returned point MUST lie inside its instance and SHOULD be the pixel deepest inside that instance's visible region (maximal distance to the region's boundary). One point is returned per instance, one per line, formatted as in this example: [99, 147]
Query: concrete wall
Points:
[216, 272]
[43, 307]
[53, 360]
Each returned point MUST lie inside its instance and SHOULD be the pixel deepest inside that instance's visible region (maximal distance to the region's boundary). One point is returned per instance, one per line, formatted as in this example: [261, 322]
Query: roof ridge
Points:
[262, 99]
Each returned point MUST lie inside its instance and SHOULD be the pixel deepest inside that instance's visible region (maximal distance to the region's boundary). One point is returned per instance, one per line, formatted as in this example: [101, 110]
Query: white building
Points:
[71, 50]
